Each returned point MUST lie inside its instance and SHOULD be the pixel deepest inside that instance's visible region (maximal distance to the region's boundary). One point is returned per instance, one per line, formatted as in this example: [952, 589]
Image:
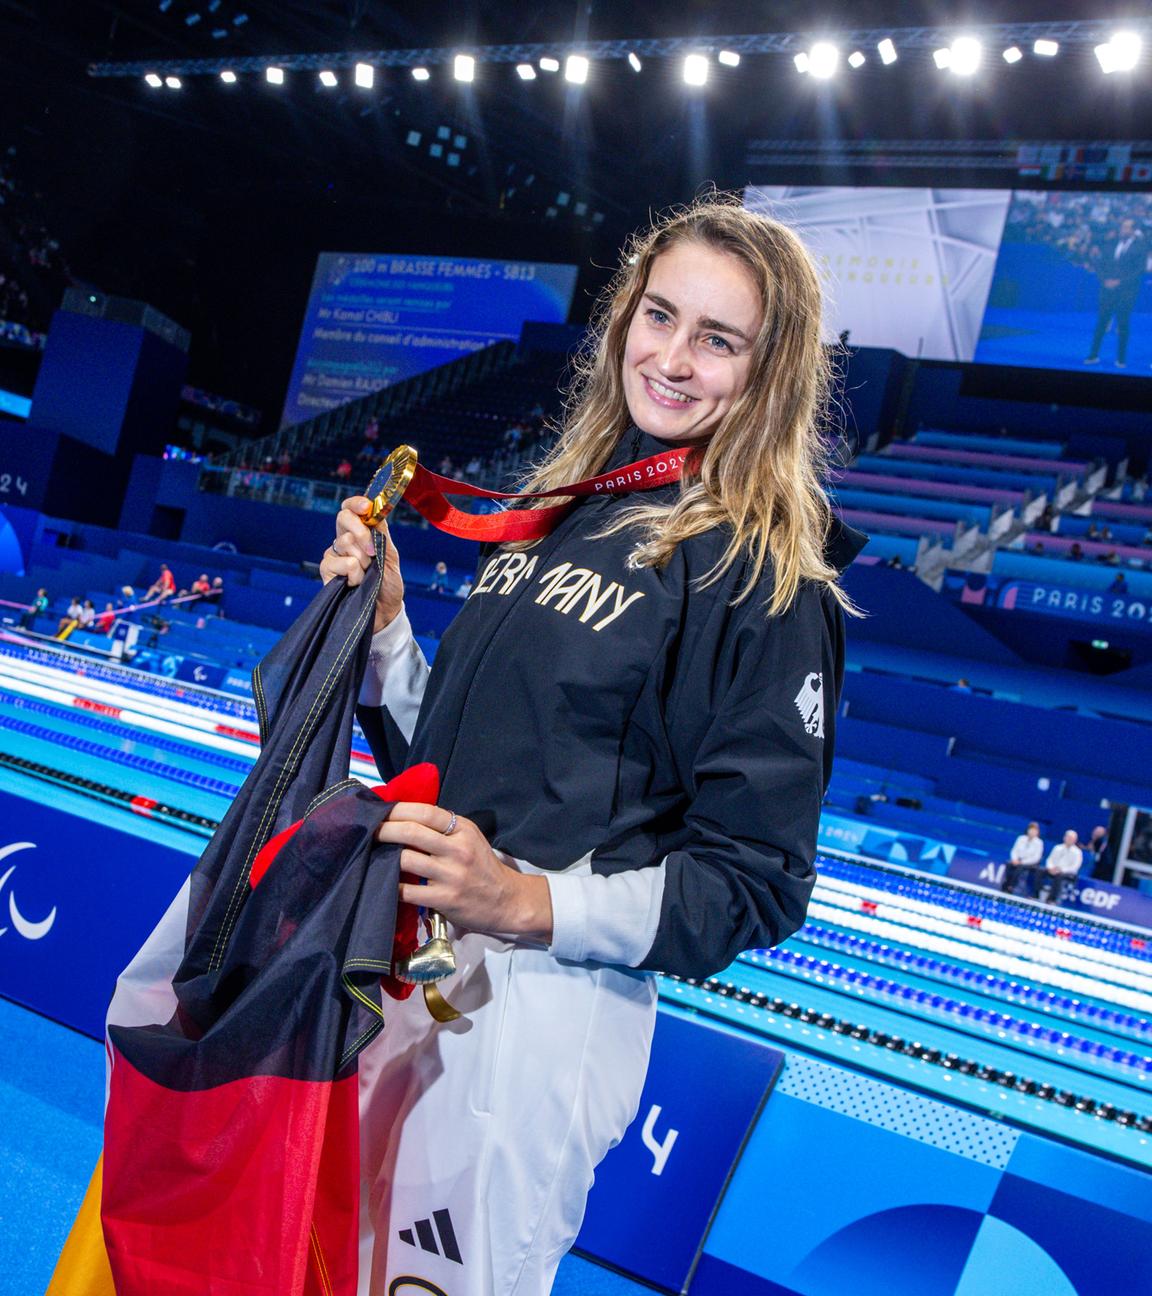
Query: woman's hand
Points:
[466, 880]
[352, 553]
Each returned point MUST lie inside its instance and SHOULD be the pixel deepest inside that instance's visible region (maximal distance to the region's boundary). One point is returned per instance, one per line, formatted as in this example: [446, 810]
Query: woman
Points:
[633, 723]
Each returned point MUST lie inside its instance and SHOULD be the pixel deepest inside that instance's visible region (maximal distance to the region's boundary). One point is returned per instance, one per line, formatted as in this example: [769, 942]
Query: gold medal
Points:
[402, 463]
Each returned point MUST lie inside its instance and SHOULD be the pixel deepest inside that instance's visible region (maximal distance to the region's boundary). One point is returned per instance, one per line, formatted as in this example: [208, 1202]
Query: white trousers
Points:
[479, 1138]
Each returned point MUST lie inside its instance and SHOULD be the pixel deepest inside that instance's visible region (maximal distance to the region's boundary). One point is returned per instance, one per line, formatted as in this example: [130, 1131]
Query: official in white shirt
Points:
[1062, 866]
[1027, 852]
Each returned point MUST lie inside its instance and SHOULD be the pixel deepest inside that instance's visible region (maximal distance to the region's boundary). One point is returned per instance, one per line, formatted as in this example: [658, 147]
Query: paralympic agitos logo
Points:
[29, 929]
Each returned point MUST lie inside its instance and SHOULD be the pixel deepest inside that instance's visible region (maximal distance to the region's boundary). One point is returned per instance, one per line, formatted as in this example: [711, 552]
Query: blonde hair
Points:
[759, 473]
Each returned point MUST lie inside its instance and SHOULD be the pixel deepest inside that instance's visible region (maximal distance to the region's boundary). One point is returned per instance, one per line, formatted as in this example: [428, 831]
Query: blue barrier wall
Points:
[1016, 732]
[104, 890]
[903, 610]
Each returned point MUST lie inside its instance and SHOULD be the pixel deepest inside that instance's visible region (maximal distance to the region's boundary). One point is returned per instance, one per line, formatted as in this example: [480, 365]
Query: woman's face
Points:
[689, 346]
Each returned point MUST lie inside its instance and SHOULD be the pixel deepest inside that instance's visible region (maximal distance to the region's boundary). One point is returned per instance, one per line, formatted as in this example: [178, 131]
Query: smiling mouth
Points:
[666, 395]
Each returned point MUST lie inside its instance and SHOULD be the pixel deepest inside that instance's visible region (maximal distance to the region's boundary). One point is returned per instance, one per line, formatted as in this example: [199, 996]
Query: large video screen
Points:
[903, 268]
[1071, 287]
[1012, 277]
[374, 320]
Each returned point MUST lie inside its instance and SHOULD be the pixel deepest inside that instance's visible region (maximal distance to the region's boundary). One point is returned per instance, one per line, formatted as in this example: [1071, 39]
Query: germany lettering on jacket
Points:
[565, 587]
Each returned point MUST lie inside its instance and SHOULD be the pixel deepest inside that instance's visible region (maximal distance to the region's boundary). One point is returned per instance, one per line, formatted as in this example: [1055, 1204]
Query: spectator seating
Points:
[1078, 526]
[997, 445]
[1053, 570]
[461, 425]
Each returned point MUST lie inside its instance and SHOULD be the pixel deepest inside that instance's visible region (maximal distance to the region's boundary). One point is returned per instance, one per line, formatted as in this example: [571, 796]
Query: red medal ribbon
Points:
[427, 490]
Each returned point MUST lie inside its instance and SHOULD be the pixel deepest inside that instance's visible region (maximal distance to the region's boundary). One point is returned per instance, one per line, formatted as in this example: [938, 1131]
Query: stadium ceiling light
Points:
[695, 70]
[942, 58]
[576, 69]
[1121, 54]
[1046, 48]
[856, 59]
[729, 58]
[634, 62]
[549, 64]
[801, 61]
[967, 55]
[823, 60]
[525, 71]
[1013, 54]
[327, 78]
[887, 51]
[364, 75]
[1106, 57]
[228, 77]
[274, 75]
[173, 83]
[421, 74]
[153, 80]
[464, 67]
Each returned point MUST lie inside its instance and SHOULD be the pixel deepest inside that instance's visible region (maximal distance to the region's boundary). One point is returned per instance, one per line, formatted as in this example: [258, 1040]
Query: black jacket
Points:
[577, 706]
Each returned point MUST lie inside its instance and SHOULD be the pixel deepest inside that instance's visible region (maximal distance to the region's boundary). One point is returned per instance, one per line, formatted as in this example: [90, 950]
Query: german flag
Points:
[231, 1139]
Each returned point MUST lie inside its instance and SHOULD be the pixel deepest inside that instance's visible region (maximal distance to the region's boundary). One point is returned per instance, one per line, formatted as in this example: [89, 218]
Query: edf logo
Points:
[1099, 899]
[25, 927]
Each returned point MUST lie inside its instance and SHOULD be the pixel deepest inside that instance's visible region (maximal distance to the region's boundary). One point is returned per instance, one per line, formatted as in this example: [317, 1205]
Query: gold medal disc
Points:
[402, 462]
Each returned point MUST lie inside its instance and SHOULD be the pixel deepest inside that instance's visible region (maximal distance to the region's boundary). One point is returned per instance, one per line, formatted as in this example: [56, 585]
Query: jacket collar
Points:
[841, 546]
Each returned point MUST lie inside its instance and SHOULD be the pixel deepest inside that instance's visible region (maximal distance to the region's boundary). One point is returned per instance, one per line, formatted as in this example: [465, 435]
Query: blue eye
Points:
[724, 343]
[656, 315]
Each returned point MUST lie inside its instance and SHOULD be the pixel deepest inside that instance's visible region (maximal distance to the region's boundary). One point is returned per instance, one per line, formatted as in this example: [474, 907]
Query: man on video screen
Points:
[1119, 263]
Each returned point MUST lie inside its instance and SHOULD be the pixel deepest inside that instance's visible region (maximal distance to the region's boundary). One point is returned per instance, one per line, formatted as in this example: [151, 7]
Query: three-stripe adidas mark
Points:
[426, 1236]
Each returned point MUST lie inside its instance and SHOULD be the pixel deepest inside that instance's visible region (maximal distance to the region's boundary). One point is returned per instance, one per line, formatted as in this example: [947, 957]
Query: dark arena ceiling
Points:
[211, 200]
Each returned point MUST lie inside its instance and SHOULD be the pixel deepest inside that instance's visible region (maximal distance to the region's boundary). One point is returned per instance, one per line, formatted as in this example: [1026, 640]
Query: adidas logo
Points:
[426, 1233]
[810, 703]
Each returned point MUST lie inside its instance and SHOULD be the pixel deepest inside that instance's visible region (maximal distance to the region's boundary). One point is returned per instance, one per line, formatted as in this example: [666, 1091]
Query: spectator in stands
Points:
[439, 582]
[215, 595]
[164, 586]
[1101, 853]
[38, 605]
[1139, 489]
[343, 470]
[87, 617]
[1119, 584]
[961, 686]
[464, 588]
[1061, 867]
[447, 467]
[1027, 852]
[201, 586]
[896, 562]
[371, 431]
[1110, 559]
[284, 464]
[1036, 548]
[472, 468]
[1093, 532]
[71, 619]
[106, 620]
[1075, 552]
